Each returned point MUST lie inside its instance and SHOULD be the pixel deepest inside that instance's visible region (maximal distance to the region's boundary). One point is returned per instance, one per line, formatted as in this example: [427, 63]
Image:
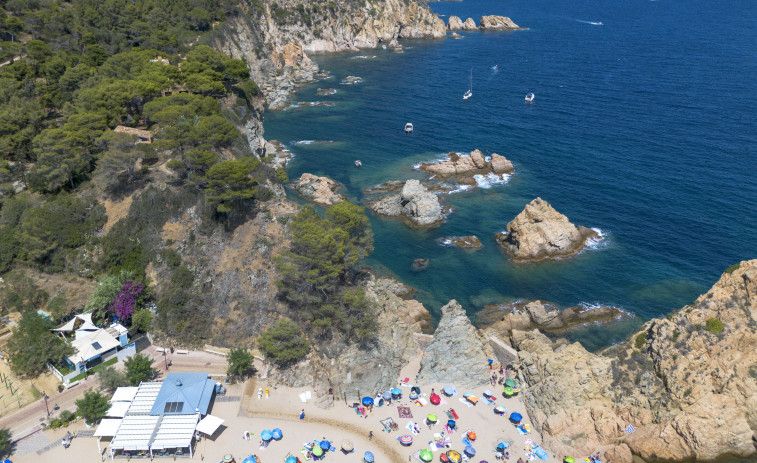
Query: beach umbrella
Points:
[435, 399]
[325, 445]
[426, 455]
[515, 417]
[472, 435]
[317, 451]
[277, 434]
[454, 456]
[499, 409]
[432, 418]
[449, 390]
[509, 391]
[467, 394]
[487, 393]
[250, 459]
[291, 459]
[367, 401]
[266, 435]
[407, 439]
[451, 424]
[511, 383]
[347, 446]
[470, 451]
[228, 458]
[413, 395]
[541, 453]
[396, 392]
[386, 395]
[502, 446]
[569, 460]
[368, 457]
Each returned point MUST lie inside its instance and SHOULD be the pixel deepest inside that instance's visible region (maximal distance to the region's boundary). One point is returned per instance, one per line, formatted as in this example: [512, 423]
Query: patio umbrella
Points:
[347, 446]
[426, 455]
[277, 434]
[325, 445]
[368, 457]
[511, 383]
[432, 418]
[515, 417]
[250, 459]
[451, 424]
[435, 399]
[499, 409]
[396, 392]
[509, 391]
[386, 395]
[266, 435]
[367, 401]
[569, 460]
[470, 451]
[466, 394]
[291, 459]
[487, 393]
[449, 390]
[317, 451]
[472, 435]
[454, 456]
[502, 446]
[228, 458]
[407, 439]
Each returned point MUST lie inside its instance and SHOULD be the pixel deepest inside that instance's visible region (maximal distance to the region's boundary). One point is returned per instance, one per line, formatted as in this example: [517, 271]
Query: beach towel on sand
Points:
[404, 412]
[465, 401]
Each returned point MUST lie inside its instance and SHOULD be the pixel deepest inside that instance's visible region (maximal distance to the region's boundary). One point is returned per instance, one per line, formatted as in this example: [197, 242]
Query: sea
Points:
[643, 127]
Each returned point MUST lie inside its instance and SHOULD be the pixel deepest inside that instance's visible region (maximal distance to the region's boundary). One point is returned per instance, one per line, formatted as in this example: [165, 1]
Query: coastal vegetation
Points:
[138, 369]
[284, 343]
[92, 407]
[240, 362]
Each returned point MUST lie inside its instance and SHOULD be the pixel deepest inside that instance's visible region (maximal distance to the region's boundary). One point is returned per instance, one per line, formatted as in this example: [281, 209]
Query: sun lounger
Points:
[472, 399]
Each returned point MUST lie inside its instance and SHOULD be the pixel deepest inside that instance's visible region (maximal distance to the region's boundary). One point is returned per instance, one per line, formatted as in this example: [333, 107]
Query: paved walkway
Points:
[32, 443]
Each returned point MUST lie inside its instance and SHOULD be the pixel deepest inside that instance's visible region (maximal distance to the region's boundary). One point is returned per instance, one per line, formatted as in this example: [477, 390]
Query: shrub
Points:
[732, 268]
[92, 407]
[687, 392]
[676, 333]
[641, 339]
[715, 326]
[240, 362]
[284, 343]
[138, 369]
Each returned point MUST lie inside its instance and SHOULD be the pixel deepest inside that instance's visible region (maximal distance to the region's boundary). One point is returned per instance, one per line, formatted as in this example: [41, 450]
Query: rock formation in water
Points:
[454, 23]
[320, 190]
[456, 353]
[468, 242]
[414, 203]
[497, 22]
[687, 383]
[469, 25]
[539, 232]
[465, 167]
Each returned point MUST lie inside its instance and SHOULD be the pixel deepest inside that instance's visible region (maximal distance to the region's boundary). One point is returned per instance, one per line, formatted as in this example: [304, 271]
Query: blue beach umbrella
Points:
[451, 424]
[450, 390]
[396, 391]
[470, 451]
[368, 457]
[266, 435]
[250, 459]
[291, 459]
[325, 445]
[277, 434]
[515, 417]
[367, 401]
[386, 395]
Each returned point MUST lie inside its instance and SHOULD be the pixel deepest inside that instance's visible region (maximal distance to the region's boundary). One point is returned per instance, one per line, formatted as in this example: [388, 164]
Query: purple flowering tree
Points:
[126, 300]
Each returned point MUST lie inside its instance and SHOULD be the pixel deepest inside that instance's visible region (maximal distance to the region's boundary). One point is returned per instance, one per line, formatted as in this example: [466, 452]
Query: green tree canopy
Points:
[141, 320]
[240, 362]
[32, 345]
[138, 369]
[284, 343]
[92, 407]
[110, 378]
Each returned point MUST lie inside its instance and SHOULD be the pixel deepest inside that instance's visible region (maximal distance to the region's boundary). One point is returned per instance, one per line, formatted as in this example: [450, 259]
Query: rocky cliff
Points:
[540, 232]
[687, 383]
[320, 190]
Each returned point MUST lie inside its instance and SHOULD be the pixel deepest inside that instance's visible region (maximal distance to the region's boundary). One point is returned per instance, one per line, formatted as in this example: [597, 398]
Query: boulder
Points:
[469, 25]
[478, 159]
[539, 232]
[320, 190]
[454, 23]
[419, 265]
[501, 165]
[465, 166]
[456, 353]
[471, 242]
[414, 203]
[497, 22]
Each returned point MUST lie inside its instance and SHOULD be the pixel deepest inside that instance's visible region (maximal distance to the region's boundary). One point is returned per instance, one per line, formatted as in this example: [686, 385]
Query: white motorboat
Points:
[358, 163]
[469, 93]
[409, 127]
[530, 97]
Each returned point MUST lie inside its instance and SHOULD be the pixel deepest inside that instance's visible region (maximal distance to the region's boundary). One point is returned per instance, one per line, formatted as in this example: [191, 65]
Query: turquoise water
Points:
[642, 127]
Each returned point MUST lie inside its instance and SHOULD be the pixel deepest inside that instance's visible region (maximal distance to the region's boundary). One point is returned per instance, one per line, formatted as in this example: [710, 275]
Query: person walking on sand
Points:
[260, 393]
[370, 435]
[302, 414]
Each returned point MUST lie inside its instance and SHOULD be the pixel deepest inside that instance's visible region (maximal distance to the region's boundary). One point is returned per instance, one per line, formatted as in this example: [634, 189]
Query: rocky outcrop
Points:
[539, 232]
[686, 382]
[414, 203]
[469, 25]
[454, 23]
[497, 22]
[320, 190]
[468, 242]
[456, 354]
[465, 167]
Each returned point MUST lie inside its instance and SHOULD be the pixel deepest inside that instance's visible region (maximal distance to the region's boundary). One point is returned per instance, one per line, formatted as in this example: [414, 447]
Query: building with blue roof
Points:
[184, 394]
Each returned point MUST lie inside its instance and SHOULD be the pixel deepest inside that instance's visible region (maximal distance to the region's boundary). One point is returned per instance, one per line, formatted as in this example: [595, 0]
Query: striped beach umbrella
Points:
[407, 439]
[347, 446]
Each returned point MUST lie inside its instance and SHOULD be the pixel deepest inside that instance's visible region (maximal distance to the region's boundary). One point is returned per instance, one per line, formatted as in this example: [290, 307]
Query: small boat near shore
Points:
[409, 127]
[358, 163]
[530, 97]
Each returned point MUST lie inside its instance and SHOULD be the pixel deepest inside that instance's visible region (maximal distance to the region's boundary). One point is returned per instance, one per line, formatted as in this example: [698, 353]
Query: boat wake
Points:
[363, 57]
[312, 142]
[593, 23]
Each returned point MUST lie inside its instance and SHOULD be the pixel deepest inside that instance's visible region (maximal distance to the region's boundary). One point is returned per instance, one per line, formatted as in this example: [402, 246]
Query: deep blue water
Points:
[643, 126]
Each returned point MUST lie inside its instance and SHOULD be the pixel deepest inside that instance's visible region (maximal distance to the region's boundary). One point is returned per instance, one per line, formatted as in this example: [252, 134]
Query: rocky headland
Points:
[539, 232]
[320, 190]
[415, 204]
[465, 167]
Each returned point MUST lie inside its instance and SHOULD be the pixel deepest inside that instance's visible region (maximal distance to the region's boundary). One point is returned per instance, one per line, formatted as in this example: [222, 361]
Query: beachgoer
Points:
[266, 393]
[331, 391]
[370, 435]
[302, 414]
[260, 393]
[432, 390]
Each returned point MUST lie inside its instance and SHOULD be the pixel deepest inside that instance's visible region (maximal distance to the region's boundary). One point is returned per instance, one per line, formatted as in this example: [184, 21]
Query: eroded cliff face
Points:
[689, 388]
[275, 37]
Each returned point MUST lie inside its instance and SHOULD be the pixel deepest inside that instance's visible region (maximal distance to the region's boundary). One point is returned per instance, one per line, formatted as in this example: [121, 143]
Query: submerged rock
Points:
[419, 265]
[320, 190]
[497, 22]
[326, 91]
[456, 353]
[539, 232]
[352, 80]
[462, 241]
[414, 203]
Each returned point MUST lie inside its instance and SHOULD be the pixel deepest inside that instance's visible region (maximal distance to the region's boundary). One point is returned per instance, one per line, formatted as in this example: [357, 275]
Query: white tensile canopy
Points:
[108, 427]
[209, 424]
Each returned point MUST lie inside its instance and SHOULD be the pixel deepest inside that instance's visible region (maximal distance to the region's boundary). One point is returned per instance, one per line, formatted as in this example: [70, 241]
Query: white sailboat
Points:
[469, 93]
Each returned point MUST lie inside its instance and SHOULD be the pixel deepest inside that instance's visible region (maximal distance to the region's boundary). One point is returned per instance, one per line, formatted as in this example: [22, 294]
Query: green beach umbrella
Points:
[432, 418]
[511, 383]
[569, 460]
[426, 455]
[317, 450]
[509, 391]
